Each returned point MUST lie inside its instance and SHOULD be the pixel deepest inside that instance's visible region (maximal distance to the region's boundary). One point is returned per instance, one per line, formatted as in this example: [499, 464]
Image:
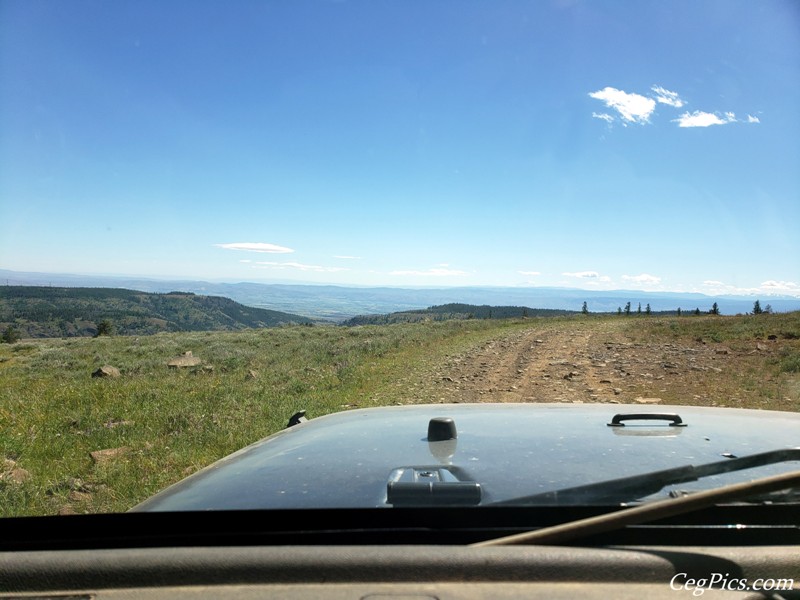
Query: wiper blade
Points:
[646, 513]
[639, 486]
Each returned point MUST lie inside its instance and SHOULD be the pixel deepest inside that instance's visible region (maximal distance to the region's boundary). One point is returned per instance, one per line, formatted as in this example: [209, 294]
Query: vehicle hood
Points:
[348, 459]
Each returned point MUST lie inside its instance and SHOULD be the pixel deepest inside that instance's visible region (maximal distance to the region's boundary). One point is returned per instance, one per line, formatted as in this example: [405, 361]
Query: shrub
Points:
[104, 327]
[10, 335]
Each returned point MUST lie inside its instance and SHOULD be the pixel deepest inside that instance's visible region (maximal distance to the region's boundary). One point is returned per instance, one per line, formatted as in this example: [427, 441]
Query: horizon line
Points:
[224, 281]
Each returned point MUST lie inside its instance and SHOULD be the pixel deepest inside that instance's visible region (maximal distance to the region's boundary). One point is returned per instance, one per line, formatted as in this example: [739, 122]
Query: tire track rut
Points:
[592, 361]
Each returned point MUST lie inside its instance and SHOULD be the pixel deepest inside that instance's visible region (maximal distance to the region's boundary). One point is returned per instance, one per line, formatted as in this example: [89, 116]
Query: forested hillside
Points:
[446, 312]
[66, 312]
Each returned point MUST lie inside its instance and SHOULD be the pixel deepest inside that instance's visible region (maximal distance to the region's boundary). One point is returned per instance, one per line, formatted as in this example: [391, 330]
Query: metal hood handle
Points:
[675, 420]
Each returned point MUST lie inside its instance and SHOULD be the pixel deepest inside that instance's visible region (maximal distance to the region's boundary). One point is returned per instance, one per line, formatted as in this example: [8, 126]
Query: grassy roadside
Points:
[761, 354]
[167, 423]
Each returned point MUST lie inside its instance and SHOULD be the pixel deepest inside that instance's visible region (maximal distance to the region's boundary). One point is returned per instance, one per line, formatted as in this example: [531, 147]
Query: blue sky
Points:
[601, 145]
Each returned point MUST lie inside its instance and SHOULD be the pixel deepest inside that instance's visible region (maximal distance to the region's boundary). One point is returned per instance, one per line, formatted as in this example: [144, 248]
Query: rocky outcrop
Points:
[184, 360]
[106, 371]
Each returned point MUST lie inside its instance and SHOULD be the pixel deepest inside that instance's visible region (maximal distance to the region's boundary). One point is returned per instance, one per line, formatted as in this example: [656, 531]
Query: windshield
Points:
[214, 216]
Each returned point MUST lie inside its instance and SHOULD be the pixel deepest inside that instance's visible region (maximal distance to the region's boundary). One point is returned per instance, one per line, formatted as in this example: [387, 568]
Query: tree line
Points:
[714, 310]
[29, 311]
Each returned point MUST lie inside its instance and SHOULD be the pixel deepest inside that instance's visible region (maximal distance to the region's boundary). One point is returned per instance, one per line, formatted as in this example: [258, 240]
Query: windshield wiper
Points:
[627, 489]
[646, 513]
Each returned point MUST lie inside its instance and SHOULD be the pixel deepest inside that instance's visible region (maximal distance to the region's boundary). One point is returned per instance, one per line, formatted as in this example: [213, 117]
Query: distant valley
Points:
[339, 303]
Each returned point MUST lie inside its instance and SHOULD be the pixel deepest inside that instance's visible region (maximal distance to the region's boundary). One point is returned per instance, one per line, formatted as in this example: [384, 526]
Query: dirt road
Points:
[599, 362]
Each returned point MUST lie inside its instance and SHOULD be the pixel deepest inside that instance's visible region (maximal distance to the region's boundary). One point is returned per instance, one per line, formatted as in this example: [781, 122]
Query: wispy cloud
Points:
[529, 273]
[664, 96]
[347, 257]
[768, 288]
[583, 275]
[297, 266]
[255, 247]
[604, 116]
[644, 279]
[440, 271]
[590, 279]
[703, 119]
[781, 287]
[632, 108]
[714, 287]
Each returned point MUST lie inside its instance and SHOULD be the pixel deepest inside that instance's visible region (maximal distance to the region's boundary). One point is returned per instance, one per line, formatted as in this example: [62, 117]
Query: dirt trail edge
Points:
[594, 361]
[539, 365]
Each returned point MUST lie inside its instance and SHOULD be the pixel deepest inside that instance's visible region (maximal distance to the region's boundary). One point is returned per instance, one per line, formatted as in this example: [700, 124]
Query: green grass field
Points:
[169, 423]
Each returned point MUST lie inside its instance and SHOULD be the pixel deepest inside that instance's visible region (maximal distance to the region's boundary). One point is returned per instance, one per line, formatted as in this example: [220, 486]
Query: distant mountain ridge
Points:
[339, 303]
[66, 312]
[447, 312]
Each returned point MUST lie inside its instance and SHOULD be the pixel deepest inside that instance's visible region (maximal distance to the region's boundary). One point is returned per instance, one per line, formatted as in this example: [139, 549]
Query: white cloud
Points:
[664, 96]
[632, 108]
[591, 279]
[255, 247]
[529, 273]
[703, 119]
[781, 287]
[297, 266]
[440, 271]
[347, 257]
[636, 108]
[720, 287]
[768, 288]
[604, 116]
[644, 278]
